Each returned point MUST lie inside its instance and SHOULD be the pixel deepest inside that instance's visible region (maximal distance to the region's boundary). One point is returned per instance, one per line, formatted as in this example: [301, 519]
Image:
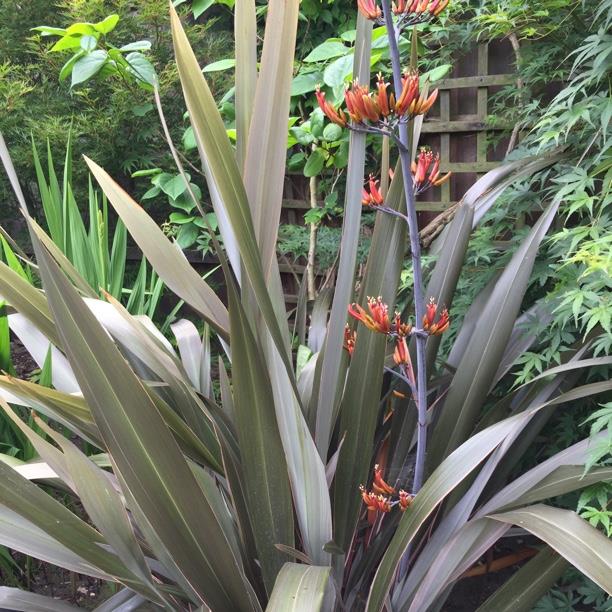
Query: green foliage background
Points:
[34, 102]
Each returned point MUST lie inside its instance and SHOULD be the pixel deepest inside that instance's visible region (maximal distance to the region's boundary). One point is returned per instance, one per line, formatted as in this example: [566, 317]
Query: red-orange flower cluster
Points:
[373, 197]
[375, 503]
[369, 9]
[410, 102]
[430, 324]
[405, 499]
[365, 106]
[380, 498]
[379, 485]
[419, 8]
[422, 166]
[377, 319]
[410, 12]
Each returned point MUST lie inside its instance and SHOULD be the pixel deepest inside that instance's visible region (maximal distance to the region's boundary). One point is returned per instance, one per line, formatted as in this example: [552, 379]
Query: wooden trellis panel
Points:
[457, 125]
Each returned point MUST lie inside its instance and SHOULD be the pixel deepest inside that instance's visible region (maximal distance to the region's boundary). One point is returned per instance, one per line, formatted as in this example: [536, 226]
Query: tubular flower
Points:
[349, 340]
[369, 9]
[410, 102]
[435, 328]
[401, 355]
[373, 197]
[377, 319]
[379, 485]
[417, 11]
[336, 116]
[420, 169]
[405, 499]
[374, 502]
[369, 498]
[401, 329]
[360, 104]
[384, 503]
[385, 102]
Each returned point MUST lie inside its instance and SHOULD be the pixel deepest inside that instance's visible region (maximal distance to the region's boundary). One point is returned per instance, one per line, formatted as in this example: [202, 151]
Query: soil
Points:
[23, 362]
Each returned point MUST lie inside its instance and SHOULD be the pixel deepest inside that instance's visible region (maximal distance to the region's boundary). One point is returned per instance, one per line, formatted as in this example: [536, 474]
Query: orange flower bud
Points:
[410, 91]
[443, 4]
[374, 196]
[399, 328]
[383, 98]
[369, 9]
[349, 340]
[405, 499]
[379, 485]
[441, 180]
[401, 355]
[335, 116]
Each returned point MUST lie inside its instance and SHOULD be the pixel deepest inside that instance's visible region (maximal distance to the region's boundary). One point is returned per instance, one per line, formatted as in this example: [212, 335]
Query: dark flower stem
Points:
[405, 154]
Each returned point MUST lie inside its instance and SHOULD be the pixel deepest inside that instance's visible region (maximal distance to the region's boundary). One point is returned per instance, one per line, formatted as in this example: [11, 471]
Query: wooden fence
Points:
[456, 127]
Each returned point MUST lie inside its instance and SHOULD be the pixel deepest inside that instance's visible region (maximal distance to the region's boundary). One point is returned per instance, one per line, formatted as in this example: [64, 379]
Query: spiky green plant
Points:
[250, 500]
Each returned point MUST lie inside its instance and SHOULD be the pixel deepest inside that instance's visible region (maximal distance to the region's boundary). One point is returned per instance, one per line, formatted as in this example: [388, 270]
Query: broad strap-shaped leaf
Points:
[159, 485]
[245, 42]
[306, 468]
[447, 270]
[40, 349]
[331, 365]
[218, 157]
[361, 398]
[487, 189]
[302, 588]
[447, 476]
[531, 582]
[582, 545]
[467, 544]
[105, 509]
[468, 390]
[68, 409]
[18, 600]
[562, 473]
[169, 263]
[27, 300]
[266, 481]
[34, 523]
[264, 170]
[124, 600]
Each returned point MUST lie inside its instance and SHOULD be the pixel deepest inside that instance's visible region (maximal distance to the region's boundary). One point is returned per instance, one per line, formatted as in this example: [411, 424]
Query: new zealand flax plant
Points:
[250, 498]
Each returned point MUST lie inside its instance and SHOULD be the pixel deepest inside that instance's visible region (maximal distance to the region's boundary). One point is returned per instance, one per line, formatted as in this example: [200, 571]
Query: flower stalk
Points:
[415, 253]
